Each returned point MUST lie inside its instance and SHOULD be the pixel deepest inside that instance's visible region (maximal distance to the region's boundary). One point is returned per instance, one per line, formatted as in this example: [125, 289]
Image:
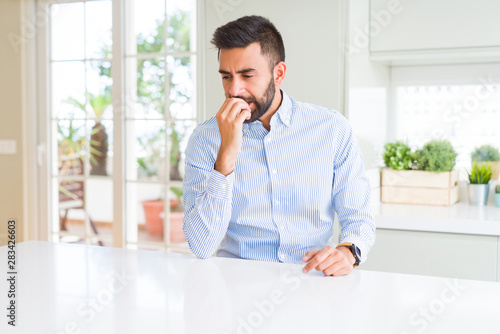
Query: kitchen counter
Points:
[64, 288]
[460, 218]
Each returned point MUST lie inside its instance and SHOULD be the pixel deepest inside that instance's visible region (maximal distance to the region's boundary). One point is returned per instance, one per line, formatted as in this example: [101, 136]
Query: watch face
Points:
[356, 252]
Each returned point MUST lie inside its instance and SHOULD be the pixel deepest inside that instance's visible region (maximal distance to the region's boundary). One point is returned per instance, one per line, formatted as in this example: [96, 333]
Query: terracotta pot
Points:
[153, 211]
[176, 234]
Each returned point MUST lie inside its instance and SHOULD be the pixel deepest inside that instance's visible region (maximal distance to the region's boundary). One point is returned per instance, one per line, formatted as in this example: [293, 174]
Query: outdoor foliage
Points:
[98, 144]
[151, 75]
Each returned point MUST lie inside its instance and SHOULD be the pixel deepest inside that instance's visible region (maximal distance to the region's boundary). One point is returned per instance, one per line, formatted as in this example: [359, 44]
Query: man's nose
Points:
[237, 88]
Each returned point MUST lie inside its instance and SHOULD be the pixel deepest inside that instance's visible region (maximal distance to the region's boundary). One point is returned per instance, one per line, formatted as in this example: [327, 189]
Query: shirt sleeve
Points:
[351, 192]
[207, 199]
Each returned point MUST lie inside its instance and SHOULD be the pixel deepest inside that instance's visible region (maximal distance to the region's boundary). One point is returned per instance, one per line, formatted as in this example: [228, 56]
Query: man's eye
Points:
[247, 76]
[225, 77]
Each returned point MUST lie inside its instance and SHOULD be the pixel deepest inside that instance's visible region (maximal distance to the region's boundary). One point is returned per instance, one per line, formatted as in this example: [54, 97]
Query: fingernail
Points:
[304, 270]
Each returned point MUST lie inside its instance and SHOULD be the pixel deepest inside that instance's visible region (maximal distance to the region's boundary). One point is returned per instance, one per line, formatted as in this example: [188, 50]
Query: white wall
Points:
[312, 34]
[368, 88]
[12, 121]
[367, 94]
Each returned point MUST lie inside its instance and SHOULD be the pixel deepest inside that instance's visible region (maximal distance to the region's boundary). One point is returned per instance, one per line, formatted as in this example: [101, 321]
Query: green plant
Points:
[151, 161]
[480, 174]
[71, 143]
[178, 192]
[497, 189]
[436, 156]
[398, 156]
[98, 137]
[70, 147]
[485, 153]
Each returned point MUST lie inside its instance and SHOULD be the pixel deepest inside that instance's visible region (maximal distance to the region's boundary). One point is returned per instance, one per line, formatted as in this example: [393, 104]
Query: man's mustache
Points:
[248, 99]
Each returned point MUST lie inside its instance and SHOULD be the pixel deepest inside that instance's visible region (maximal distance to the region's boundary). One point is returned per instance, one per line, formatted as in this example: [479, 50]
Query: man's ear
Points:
[279, 73]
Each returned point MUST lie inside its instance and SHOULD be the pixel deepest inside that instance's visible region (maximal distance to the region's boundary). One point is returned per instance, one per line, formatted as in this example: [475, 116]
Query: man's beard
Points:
[263, 105]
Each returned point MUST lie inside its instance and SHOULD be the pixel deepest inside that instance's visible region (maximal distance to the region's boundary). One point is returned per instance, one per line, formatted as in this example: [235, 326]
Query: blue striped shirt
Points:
[280, 200]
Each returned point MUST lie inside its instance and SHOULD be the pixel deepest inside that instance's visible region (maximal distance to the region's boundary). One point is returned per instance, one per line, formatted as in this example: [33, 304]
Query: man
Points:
[265, 177]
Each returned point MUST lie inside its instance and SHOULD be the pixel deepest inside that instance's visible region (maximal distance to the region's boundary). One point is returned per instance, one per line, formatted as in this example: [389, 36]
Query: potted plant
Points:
[478, 188]
[487, 155]
[176, 216]
[154, 212]
[98, 137]
[152, 164]
[398, 156]
[422, 177]
[436, 156]
[497, 195]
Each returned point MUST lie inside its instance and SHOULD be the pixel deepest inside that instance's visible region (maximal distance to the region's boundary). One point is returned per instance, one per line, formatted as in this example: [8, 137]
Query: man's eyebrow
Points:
[245, 70]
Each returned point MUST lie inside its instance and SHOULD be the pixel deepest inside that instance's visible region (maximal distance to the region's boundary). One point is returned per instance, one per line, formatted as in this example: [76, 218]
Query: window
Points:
[463, 107]
[121, 104]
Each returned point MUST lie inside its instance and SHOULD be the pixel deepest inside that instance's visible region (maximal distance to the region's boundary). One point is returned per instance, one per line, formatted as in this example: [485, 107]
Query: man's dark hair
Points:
[250, 29]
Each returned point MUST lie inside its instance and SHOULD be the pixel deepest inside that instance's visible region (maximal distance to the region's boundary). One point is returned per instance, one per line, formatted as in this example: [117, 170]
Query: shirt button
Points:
[223, 186]
[218, 218]
[277, 202]
[268, 139]
[275, 171]
[282, 228]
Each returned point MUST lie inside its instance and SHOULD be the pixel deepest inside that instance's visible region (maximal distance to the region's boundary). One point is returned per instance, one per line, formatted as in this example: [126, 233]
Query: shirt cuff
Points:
[220, 186]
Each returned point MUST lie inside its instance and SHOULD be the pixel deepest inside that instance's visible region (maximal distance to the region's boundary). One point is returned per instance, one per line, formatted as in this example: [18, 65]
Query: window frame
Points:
[42, 113]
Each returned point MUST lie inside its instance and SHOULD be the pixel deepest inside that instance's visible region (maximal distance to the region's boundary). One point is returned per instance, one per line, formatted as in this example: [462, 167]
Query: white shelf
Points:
[460, 218]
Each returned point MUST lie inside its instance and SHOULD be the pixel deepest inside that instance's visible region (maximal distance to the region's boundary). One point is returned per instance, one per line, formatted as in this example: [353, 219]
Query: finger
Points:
[237, 107]
[223, 109]
[329, 261]
[339, 271]
[339, 268]
[309, 255]
[318, 258]
[244, 115]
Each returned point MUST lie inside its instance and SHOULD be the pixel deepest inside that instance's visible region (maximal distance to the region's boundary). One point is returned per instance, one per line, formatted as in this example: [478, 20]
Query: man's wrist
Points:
[224, 165]
[347, 252]
[224, 170]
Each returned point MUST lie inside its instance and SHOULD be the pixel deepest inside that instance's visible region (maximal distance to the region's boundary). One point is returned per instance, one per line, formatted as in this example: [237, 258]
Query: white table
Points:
[64, 288]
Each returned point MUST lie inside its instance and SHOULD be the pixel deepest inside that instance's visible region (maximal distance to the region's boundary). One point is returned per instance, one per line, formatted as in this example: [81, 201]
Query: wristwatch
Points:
[354, 250]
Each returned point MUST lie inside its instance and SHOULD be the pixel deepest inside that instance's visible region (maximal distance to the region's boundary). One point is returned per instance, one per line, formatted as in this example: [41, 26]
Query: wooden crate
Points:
[419, 187]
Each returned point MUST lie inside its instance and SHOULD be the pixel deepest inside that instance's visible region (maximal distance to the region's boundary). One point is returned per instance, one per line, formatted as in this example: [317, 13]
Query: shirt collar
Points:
[285, 110]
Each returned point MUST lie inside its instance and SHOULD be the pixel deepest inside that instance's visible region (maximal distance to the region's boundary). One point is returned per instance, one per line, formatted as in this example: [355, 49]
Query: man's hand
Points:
[331, 261]
[230, 119]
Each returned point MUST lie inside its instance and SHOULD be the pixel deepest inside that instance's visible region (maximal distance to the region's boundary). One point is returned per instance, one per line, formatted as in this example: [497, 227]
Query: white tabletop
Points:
[64, 288]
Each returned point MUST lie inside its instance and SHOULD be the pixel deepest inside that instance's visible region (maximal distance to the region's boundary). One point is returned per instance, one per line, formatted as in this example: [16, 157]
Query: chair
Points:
[72, 193]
